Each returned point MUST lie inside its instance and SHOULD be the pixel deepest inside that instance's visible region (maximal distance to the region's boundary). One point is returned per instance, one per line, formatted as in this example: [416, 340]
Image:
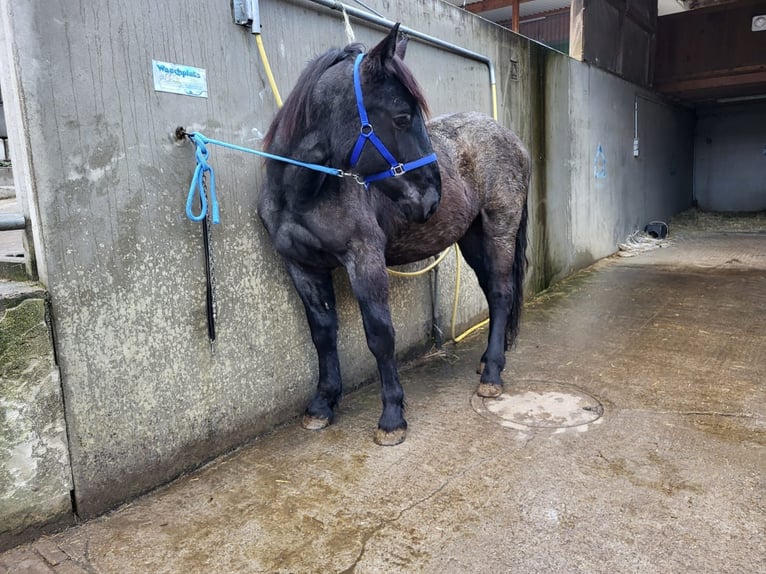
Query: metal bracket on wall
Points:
[247, 12]
[514, 70]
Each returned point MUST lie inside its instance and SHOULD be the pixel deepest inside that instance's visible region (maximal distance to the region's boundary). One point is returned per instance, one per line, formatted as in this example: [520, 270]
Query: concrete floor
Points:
[670, 479]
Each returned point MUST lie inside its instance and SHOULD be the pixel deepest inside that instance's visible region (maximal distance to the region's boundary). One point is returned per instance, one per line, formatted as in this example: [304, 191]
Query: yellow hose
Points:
[267, 68]
[421, 271]
[456, 296]
[457, 338]
[467, 332]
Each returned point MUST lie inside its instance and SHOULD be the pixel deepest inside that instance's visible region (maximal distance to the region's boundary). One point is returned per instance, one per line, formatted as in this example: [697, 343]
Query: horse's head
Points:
[395, 108]
[322, 120]
[393, 132]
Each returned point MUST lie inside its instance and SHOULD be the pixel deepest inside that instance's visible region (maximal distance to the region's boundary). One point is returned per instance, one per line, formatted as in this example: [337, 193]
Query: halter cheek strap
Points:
[367, 134]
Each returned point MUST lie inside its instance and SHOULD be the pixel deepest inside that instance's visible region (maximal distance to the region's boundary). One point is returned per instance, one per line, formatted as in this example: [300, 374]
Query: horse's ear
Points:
[381, 54]
[401, 46]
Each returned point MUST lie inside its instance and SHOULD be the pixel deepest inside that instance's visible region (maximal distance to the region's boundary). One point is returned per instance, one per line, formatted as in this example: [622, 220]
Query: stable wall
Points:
[597, 191]
[710, 53]
[730, 157]
[146, 396]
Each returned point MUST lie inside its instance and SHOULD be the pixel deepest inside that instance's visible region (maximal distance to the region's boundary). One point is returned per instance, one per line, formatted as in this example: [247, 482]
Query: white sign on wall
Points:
[179, 79]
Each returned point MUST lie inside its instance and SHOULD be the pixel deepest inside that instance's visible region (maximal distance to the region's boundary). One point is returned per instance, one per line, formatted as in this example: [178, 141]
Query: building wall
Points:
[730, 158]
[146, 397]
[551, 29]
[710, 53]
[597, 192]
[616, 35]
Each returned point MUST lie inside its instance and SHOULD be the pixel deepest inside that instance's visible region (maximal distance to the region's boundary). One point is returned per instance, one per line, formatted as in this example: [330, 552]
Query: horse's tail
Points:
[518, 271]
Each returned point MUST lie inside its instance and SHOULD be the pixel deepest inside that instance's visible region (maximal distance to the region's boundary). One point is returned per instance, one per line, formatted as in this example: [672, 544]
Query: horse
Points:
[405, 190]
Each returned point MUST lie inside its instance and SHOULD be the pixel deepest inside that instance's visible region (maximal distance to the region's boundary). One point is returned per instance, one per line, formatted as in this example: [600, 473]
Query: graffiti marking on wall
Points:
[599, 163]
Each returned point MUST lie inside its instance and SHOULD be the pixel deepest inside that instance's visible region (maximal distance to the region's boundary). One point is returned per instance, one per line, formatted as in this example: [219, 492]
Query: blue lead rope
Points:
[203, 167]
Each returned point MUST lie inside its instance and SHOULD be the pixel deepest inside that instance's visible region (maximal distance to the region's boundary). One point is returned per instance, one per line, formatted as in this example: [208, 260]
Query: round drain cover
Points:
[541, 405]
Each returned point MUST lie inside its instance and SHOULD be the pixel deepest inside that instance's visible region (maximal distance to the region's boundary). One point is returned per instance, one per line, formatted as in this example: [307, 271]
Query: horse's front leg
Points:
[318, 296]
[369, 280]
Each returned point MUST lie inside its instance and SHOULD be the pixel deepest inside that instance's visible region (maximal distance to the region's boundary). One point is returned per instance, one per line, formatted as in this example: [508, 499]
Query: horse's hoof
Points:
[489, 391]
[480, 368]
[314, 423]
[392, 438]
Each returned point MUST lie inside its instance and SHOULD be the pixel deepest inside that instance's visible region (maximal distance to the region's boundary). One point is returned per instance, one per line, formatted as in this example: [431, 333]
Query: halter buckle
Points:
[397, 170]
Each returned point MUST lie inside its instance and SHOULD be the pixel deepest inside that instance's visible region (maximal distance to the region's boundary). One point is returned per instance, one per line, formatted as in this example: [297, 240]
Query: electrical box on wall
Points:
[247, 12]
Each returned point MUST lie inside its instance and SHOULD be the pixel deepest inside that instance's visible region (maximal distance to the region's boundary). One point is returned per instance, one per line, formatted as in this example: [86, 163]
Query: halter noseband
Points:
[366, 133]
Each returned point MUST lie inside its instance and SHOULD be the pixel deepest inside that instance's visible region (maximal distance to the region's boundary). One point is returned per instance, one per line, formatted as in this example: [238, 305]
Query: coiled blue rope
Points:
[197, 183]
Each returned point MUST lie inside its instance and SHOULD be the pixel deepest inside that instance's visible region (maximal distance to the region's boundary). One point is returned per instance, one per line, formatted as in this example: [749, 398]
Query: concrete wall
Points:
[730, 158]
[35, 477]
[146, 397]
[596, 191]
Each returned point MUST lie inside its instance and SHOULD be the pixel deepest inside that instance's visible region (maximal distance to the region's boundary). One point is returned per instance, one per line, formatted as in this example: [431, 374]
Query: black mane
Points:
[293, 117]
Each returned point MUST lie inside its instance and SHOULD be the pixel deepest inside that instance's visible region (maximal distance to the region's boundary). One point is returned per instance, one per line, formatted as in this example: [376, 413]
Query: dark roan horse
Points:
[475, 195]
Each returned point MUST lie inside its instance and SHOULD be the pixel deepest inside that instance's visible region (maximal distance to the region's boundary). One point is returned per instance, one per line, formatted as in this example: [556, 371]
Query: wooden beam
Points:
[715, 82]
[710, 74]
[515, 21]
[487, 5]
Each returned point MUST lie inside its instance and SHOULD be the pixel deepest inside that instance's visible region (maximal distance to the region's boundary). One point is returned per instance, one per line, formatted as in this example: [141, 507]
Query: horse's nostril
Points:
[433, 203]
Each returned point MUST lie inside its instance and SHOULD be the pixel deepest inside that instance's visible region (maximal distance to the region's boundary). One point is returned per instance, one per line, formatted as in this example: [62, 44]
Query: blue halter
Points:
[366, 133]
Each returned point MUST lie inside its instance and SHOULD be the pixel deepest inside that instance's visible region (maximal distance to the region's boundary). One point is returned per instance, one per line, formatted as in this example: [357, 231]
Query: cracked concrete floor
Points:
[670, 480]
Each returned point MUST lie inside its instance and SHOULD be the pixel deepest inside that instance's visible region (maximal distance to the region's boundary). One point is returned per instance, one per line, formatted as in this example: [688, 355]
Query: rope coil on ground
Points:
[641, 242]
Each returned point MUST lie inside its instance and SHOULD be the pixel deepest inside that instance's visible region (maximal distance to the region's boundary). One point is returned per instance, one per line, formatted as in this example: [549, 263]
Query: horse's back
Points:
[484, 170]
[483, 151]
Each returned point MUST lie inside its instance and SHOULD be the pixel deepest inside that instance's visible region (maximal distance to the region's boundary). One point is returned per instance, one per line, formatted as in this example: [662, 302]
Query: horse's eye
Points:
[403, 121]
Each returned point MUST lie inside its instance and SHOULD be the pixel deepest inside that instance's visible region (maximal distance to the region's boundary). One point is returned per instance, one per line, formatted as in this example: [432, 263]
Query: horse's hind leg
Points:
[316, 291]
[489, 250]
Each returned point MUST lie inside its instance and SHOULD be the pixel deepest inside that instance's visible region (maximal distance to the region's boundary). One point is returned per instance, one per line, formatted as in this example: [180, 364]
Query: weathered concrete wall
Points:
[597, 191]
[35, 478]
[730, 158]
[146, 397]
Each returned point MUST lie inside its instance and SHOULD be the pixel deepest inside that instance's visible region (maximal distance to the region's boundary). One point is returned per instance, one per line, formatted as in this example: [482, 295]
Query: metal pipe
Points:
[454, 48]
[12, 221]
